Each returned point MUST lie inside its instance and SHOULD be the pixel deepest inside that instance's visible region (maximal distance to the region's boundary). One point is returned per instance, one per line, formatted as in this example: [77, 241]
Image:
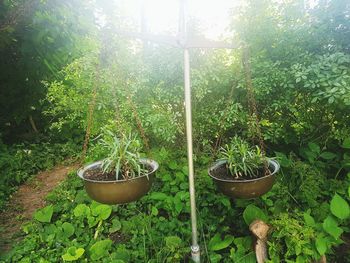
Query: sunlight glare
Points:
[212, 16]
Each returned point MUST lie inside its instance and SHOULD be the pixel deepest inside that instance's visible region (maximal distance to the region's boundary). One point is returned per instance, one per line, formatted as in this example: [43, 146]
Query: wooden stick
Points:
[260, 230]
[32, 123]
[323, 259]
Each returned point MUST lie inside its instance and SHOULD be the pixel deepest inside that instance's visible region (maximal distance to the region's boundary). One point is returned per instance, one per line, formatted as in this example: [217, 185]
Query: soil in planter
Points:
[221, 172]
[97, 174]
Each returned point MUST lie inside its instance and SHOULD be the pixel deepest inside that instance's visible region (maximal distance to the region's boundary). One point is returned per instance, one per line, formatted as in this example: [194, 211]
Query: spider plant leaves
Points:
[123, 157]
[242, 160]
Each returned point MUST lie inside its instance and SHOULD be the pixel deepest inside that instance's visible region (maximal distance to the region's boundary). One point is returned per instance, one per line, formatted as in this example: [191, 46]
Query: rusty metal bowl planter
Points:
[243, 189]
[121, 191]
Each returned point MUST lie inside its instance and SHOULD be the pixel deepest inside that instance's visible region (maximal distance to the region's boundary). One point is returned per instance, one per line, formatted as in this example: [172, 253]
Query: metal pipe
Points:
[195, 251]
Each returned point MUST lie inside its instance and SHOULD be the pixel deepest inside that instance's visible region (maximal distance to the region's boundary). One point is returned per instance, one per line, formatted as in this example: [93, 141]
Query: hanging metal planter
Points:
[243, 189]
[121, 191]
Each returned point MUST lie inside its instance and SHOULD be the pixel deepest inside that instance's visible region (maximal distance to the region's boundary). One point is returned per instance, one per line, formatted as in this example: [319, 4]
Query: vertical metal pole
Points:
[195, 251]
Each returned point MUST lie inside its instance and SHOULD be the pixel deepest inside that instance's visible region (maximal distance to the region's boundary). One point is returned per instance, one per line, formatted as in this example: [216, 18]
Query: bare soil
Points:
[29, 197]
[222, 172]
[97, 174]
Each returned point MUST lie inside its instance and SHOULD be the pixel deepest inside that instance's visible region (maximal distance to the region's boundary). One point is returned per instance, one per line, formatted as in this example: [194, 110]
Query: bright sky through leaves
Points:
[162, 16]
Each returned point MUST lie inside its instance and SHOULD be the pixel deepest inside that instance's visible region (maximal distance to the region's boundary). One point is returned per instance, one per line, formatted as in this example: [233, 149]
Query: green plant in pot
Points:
[122, 176]
[243, 171]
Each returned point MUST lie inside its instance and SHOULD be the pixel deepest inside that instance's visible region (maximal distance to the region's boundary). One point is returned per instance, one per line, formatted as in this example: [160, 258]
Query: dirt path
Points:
[29, 197]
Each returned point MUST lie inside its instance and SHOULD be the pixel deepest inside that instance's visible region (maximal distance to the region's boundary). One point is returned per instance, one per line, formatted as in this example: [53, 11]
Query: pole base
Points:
[195, 253]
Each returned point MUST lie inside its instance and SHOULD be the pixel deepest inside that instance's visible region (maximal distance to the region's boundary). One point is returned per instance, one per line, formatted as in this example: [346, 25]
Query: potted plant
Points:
[122, 176]
[243, 171]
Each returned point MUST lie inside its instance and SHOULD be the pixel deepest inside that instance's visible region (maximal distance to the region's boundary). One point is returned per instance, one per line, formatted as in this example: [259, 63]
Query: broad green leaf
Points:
[244, 253]
[321, 245]
[116, 226]
[309, 220]
[331, 227]
[154, 211]
[178, 205]
[283, 159]
[215, 239]
[44, 215]
[346, 143]
[310, 155]
[42, 260]
[328, 155]
[300, 259]
[158, 196]
[314, 147]
[215, 258]
[68, 229]
[217, 244]
[48, 235]
[243, 244]
[122, 254]
[81, 210]
[339, 207]
[100, 249]
[172, 165]
[226, 202]
[173, 241]
[349, 191]
[73, 254]
[102, 212]
[92, 221]
[252, 213]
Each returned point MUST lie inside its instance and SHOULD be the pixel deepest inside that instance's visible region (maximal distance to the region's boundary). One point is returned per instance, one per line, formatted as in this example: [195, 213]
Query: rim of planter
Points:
[276, 166]
[146, 161]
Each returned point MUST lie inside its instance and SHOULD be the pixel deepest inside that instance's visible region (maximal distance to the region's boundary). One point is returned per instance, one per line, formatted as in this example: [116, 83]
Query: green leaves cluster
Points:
[241, 159]
[19, 162]
[123, 156]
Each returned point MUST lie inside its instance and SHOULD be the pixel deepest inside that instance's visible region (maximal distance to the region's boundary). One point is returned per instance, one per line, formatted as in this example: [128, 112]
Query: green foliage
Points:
[44, 37]
[100, 249]
[307, 239]
[123, 156]
[300, 69]
[44, 215]
[291, 240]
[73, 254]
[252, 213]
[157, 227]
[216, 243]
[20, 162]
[242, 160]
[339, 207]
